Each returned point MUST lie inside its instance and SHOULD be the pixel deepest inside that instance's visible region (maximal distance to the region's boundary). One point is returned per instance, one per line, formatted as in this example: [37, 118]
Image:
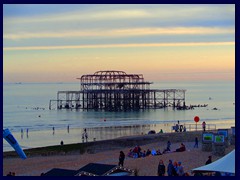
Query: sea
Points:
[27, 115]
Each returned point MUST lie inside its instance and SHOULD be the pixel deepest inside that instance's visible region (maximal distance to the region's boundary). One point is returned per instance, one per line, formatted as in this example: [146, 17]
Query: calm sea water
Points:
[25, 106]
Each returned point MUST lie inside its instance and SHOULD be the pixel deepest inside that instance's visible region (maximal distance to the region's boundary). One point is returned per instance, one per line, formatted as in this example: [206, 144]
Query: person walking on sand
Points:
[196, 142]
[121, 158]
[204, 126]
[161, 168]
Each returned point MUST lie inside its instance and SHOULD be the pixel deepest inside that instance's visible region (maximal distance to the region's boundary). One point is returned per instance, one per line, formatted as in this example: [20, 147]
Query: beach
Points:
[107, 152]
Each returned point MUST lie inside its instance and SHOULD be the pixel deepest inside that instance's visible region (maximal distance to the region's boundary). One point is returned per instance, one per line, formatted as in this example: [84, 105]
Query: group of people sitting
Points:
[137, 152]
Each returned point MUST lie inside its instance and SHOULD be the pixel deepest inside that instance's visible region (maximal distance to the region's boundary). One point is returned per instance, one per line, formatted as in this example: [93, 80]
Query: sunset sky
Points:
[58, 43]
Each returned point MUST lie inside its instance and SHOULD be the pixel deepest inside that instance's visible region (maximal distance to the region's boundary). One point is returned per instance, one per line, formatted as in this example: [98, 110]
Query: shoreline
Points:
[41, 138]
[75, 156]
[120, 142]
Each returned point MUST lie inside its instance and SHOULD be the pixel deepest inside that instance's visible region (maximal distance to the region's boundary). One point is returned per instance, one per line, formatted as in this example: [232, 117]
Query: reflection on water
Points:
[74, 135]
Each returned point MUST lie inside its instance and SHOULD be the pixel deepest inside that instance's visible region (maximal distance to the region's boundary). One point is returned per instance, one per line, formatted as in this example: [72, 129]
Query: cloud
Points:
[120, 11]
[82, 16]
[122, 32]
[120, 46]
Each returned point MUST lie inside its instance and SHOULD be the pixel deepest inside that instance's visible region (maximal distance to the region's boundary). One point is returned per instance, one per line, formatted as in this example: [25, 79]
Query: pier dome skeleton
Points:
[117, 91]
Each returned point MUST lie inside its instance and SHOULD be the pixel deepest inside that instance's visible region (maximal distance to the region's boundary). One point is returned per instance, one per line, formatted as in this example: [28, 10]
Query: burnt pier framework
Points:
[117, 91]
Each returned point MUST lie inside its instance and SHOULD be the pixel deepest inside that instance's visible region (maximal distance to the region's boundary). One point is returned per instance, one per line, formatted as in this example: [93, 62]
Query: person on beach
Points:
[82, 137]
[209, 160]
[204, 126]
[9, 174]
[175, 165]
[181, 128]
[196, 142]
[27, 132]
[121, 158]
[170, 169]
[161, 168]
[139, 150]
[21, 133]
[180, 170]
[148, 152]
[144, 153]
[176, 128]
[153, 152]
[86, 136]
[159, 152]
[181, 148]
[61, 143]
[168, 147]
[130, 153]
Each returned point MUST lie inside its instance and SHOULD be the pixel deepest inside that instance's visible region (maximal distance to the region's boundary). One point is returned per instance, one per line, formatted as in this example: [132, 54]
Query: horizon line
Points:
[119, 45]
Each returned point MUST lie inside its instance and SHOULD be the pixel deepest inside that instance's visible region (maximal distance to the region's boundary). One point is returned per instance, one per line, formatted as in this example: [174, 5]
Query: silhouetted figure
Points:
[82, 137]
[86, 136]
[161, 168]
[9, 174]
[121, 158]
[27, 133]
[204, 126]
[61, 143]
[209, 160]
[196, 142]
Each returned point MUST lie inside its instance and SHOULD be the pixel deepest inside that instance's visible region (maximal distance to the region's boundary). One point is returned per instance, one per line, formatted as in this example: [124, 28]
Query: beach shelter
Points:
[96, 169]
[225, 164]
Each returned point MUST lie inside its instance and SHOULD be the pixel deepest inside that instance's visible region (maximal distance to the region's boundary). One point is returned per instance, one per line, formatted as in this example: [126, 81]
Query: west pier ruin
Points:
[117, 91]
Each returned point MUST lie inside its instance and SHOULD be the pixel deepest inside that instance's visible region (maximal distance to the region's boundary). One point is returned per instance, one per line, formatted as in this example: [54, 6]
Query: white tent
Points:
[224, 164]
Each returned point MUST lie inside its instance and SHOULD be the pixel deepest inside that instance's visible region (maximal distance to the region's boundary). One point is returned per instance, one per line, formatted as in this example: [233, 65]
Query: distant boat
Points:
[210, 98]
[18, 83]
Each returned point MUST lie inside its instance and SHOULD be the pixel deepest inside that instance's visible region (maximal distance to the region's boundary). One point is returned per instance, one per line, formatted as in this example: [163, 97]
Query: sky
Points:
[164, 42]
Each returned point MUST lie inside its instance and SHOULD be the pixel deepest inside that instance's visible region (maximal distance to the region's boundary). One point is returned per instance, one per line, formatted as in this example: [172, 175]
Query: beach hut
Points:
[225, 164]
[96, 169]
